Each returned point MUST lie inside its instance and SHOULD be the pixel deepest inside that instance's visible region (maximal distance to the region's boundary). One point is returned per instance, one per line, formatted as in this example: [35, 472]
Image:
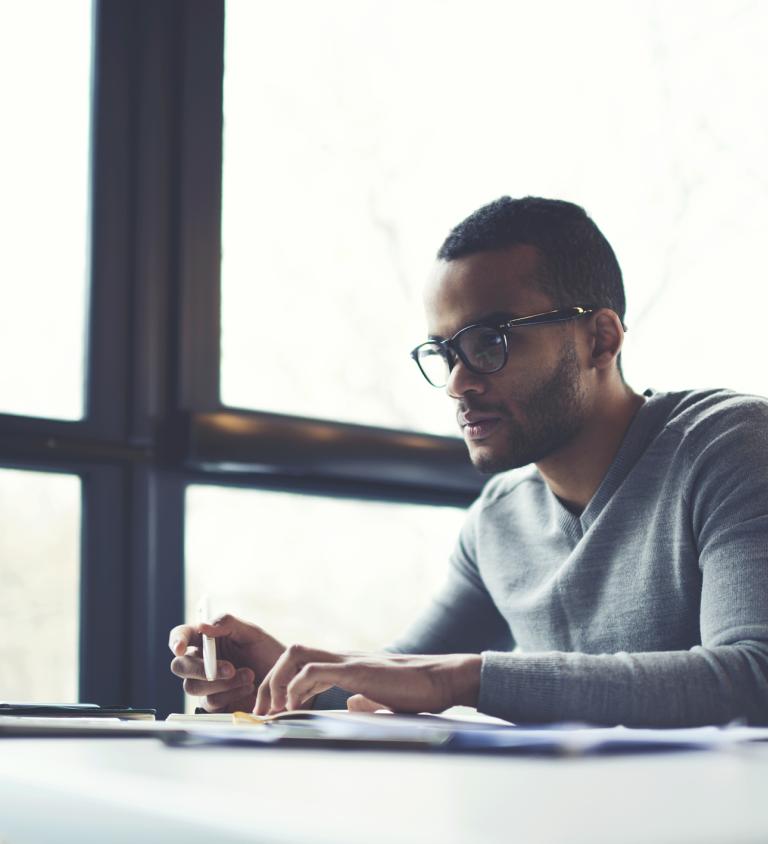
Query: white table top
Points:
[137, 789]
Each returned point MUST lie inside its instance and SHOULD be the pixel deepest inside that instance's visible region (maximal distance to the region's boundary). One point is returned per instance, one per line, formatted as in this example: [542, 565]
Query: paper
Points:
[434, 732]
[201, 718]
[342, 729]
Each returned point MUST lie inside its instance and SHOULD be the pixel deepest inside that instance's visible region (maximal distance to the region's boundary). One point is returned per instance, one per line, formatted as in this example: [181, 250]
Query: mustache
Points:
[463, 407]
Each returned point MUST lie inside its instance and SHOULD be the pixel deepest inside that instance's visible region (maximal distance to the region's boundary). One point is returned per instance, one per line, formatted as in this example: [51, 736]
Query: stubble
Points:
[554, 415]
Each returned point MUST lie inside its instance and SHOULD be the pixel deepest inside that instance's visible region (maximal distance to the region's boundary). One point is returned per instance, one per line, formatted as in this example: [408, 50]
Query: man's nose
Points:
[462, 380]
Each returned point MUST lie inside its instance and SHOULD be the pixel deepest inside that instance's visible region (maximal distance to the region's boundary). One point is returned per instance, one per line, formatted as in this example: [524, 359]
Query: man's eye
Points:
[486, 341]
[489, 341]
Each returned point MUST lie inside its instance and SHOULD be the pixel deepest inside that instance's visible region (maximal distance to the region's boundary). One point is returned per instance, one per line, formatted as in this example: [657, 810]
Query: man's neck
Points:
[575, 472]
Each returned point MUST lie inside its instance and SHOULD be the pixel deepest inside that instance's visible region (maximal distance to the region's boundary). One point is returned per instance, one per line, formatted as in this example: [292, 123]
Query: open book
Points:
[458, 715]
[340, 728]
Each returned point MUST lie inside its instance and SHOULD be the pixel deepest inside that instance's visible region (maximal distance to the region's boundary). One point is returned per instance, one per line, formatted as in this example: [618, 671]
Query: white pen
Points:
[209, 645]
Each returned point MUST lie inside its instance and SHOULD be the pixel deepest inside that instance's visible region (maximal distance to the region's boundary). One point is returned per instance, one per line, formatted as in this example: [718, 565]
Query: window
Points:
[328, 572]
[45, 76]
[358, 133]
[322, 257]
[40, 573]
[249, 238]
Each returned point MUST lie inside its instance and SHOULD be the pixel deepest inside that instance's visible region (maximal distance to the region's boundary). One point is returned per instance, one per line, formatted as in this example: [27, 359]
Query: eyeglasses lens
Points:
[483, 348]
[434, 364]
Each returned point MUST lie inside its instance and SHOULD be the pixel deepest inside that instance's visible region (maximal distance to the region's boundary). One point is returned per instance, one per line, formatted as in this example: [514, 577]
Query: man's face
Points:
[535, 405]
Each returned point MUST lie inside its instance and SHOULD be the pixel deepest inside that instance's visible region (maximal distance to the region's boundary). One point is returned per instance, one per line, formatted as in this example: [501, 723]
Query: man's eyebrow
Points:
[497, 317]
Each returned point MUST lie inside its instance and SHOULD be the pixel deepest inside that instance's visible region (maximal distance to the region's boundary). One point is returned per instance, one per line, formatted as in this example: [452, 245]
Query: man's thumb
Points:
[360, 703]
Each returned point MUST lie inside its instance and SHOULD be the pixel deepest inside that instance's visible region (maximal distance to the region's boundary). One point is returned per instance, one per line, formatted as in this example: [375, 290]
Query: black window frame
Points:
[154, 421]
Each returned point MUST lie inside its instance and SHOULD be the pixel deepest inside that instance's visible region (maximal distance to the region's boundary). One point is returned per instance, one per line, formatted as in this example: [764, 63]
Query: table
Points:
[139, 790]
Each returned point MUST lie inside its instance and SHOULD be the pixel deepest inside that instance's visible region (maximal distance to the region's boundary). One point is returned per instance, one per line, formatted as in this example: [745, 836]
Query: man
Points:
[616, 568]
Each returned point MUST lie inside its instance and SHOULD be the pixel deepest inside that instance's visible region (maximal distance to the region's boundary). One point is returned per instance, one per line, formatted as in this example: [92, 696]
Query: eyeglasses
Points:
[483, 349]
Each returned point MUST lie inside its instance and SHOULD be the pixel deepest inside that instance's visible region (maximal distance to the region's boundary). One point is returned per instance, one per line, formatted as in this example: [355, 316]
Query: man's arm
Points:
[401, 682]
[462, 617]
[723, 678]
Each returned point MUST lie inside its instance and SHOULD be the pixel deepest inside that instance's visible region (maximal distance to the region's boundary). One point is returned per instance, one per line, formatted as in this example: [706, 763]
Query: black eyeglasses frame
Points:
[452, 350]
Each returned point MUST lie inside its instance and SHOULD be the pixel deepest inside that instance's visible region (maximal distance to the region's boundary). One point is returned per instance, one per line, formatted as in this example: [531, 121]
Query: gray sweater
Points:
[651, 607]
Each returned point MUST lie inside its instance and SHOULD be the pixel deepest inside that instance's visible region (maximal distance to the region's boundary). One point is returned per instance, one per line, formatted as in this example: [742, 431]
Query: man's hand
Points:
[400, 682]
[245, 654]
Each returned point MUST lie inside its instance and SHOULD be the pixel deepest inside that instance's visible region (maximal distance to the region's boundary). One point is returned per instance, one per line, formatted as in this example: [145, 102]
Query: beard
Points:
[554, 415]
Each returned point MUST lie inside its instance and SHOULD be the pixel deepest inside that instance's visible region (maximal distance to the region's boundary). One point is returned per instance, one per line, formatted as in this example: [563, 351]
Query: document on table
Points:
[387, 731]
[363, 730]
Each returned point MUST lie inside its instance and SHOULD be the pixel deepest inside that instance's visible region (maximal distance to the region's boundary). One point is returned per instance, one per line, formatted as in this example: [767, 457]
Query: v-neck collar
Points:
[641, 429]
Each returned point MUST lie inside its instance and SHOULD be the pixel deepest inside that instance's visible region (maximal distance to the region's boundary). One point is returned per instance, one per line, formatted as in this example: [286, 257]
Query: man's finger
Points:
[190, 666]
[210, 688]
[181, 637]
[240, 698]
[230, 625]
[361, 703]
[317, 677]
[225, 625]
[263, 698]
[288, 666]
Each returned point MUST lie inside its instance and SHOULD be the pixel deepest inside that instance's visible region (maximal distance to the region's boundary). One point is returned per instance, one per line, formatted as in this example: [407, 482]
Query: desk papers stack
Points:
[341, 729]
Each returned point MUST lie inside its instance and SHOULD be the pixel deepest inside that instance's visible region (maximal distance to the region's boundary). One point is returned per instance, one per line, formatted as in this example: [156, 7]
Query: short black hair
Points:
[580, 267]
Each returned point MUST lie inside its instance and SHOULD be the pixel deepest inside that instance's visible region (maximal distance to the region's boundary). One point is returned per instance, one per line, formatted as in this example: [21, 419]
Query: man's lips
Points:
[477, 425]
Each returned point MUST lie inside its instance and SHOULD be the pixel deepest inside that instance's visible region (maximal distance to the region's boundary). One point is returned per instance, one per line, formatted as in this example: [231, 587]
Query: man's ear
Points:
[607, 337]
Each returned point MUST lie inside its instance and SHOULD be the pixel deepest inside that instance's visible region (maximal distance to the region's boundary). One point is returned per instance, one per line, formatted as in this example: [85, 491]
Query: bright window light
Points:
[357, 132]
[323, 571]
[45, 89]
[40, 573]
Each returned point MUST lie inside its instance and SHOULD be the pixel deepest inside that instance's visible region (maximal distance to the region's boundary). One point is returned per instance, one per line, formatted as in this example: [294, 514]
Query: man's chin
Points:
[489, 461]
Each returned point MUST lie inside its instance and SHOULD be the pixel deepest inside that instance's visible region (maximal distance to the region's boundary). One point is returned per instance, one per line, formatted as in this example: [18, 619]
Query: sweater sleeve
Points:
[723, 678]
